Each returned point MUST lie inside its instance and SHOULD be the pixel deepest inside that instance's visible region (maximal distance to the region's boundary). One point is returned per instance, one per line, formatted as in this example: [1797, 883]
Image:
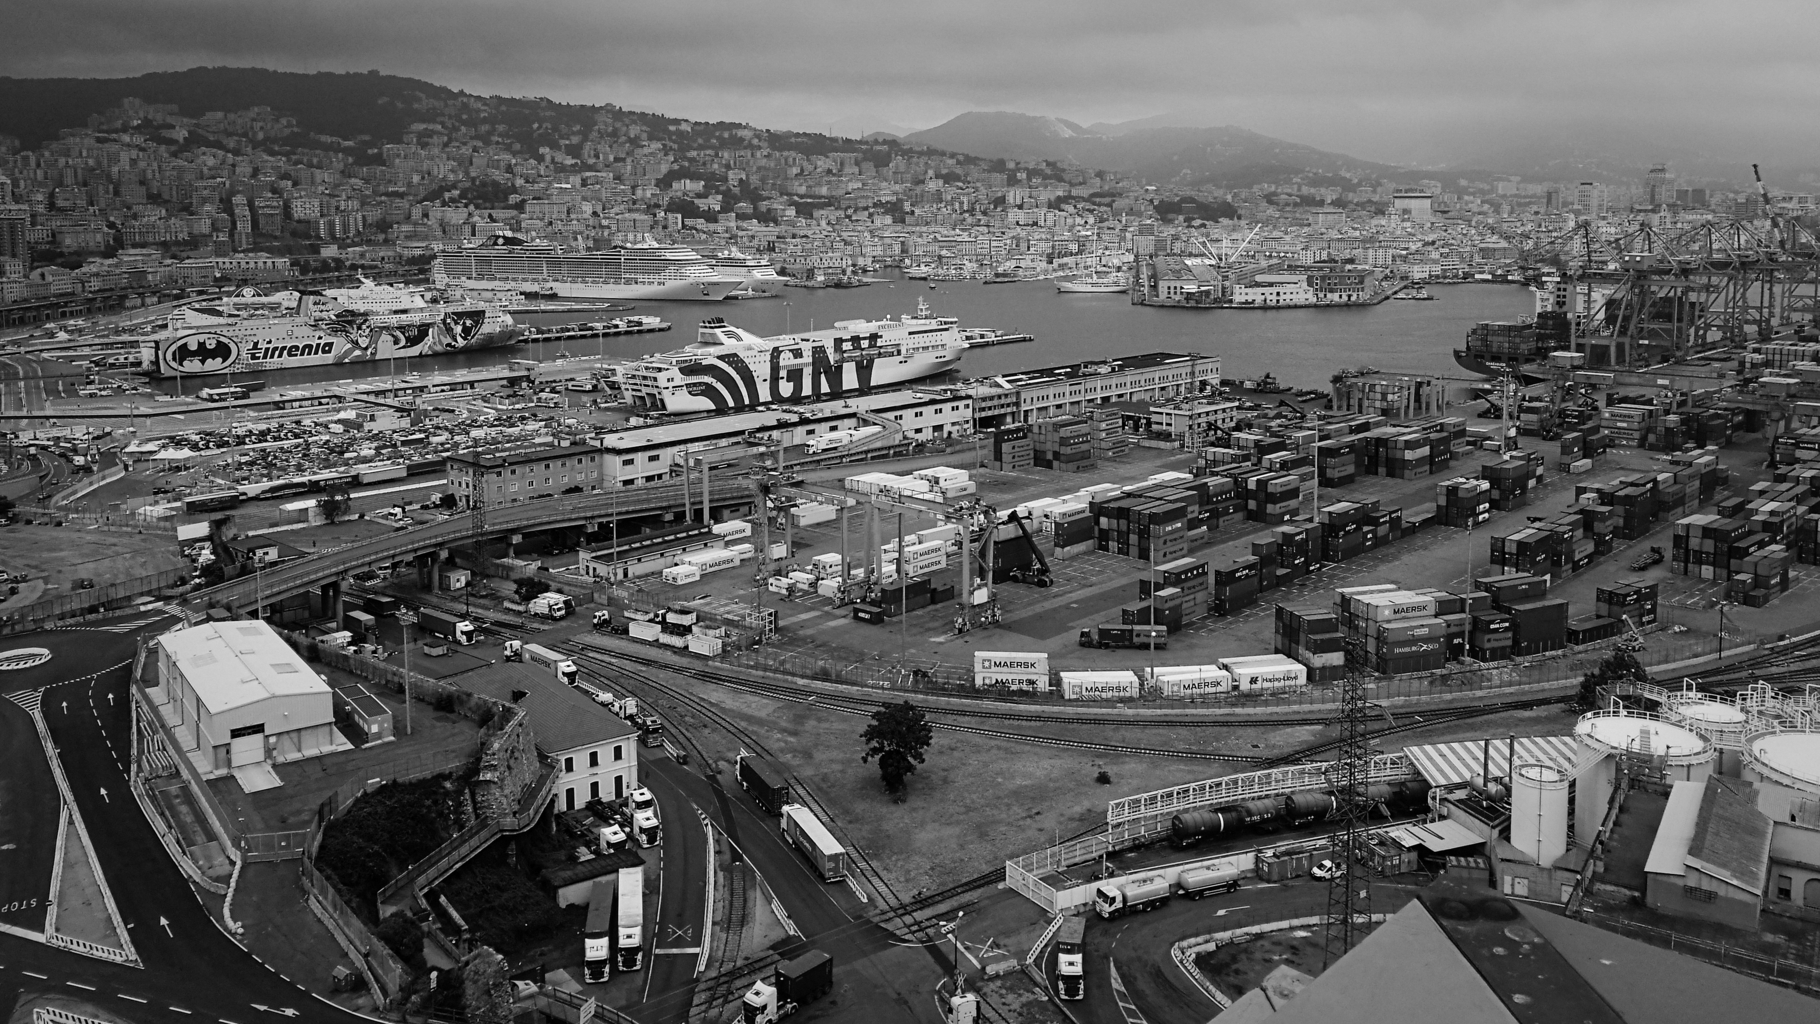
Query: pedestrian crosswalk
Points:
[130, 627]
[30, 700]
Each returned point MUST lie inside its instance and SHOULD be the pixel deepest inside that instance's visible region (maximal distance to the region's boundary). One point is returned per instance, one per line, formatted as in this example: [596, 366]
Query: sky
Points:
[1416, 83]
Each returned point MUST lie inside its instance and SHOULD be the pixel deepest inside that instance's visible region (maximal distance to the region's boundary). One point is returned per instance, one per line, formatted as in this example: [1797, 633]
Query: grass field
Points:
[61, 554]
[978, 801]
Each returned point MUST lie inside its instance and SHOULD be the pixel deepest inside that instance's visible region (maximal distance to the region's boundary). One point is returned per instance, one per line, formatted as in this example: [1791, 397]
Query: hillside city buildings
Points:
[148, 197]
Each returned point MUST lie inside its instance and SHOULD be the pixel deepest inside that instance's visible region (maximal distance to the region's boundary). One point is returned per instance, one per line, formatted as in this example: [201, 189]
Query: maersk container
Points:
[1099, 685]
[1190, 681]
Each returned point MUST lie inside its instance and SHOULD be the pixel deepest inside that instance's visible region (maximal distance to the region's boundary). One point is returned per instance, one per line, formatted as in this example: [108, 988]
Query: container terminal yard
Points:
[1185, 650]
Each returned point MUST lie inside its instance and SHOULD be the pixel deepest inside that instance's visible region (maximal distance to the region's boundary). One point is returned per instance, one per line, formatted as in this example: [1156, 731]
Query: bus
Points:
[629, 937]
[229, 393]
[597, 937]
[806, 832]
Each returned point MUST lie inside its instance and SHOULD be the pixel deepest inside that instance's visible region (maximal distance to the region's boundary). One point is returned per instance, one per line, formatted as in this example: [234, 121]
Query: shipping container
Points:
[765, 782]
[806, 832]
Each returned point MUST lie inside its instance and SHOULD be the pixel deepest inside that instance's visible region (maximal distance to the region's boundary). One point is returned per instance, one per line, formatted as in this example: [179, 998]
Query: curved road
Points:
[193, 973]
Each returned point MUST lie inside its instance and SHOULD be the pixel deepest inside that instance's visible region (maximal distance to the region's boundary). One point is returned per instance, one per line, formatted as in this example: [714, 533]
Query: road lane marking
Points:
[78, 984]
[35, 974]
[135, 999]
[180, 1009]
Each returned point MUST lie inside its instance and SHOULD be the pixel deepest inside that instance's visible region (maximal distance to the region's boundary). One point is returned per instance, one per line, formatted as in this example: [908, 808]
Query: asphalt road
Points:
[192, 972]
[29, 809]
[683, 902]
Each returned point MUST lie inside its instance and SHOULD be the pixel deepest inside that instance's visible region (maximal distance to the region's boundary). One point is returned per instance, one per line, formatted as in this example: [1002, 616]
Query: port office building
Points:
[1069, 389]
[238, 698]
[522, 473]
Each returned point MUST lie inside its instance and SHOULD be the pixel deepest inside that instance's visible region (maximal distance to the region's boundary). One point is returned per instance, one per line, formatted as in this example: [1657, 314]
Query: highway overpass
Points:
[302, 575]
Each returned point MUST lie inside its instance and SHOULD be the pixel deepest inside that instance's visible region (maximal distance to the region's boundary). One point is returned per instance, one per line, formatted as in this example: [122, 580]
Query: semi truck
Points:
[760, 777]
[597, 936]
[1197, 882]
[449, 627]
[1070, 959]
[360, 624]
[537, 654]
[1143, 637]
[628, 937]
[646, 827]
[794, 984]
[381, 606]
[807, 833]
[1118, 899]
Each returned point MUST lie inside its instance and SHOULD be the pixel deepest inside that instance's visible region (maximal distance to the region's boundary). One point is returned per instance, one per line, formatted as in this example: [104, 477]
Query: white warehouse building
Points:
[237, 696]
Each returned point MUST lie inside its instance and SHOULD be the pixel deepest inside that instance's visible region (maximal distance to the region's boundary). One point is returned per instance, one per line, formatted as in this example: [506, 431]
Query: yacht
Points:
[1097, 281]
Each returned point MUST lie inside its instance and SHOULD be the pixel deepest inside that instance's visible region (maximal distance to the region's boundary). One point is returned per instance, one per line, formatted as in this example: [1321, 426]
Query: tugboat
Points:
[1266, 385]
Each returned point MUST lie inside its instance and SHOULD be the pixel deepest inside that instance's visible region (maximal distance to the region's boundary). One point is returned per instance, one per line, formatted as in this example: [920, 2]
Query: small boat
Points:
[1416, 294]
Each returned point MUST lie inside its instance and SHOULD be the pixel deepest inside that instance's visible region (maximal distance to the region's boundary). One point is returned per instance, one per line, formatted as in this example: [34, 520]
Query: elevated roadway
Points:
[573, 510]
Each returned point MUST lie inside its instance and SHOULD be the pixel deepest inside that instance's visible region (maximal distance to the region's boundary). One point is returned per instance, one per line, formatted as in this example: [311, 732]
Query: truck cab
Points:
[513, 650]
[1116, 899]
[793, 984]
[1070, 959]
[611, 838]
[646, 828]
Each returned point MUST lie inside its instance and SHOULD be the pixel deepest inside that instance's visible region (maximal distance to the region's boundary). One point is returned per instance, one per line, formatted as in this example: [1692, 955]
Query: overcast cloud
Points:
[1409, 83]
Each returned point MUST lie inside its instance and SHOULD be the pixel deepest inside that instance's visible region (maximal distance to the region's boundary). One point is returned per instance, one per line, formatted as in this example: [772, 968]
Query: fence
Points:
[126, 522]
[93, 601]
[1795, 975]
[86, 484]
[385, 973]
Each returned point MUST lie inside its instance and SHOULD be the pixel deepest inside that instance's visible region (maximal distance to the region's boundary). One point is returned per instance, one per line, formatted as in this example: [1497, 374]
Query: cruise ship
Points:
[288, 330]
[642, 270]
[756, 273]
[729, 369]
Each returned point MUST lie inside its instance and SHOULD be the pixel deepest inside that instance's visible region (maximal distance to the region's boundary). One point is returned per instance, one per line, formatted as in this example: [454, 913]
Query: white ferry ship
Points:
[1107, 281]
[372, 297]
[729, 369]
[288, 330]
[642, 270]
[756, 273]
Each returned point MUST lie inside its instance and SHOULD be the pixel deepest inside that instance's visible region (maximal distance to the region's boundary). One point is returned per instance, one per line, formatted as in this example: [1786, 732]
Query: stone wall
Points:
[508, 765]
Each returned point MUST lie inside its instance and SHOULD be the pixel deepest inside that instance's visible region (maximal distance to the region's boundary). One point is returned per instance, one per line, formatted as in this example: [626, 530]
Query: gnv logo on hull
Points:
[201, 353]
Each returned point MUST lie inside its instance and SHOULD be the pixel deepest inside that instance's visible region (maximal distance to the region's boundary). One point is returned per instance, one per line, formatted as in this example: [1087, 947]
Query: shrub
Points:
[404, 936]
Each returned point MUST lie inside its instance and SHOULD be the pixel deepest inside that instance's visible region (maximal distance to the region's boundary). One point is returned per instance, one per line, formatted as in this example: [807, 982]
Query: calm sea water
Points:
[1303, 347]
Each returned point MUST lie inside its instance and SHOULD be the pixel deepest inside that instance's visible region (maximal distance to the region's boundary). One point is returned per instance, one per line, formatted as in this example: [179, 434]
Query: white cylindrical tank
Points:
[1685, 755]
[1721, 722]
[1785, 765]
[1538, 812]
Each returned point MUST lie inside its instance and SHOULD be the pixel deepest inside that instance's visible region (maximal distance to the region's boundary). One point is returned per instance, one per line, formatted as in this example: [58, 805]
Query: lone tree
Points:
[1618, 667]
[335, 504]
[897, 736]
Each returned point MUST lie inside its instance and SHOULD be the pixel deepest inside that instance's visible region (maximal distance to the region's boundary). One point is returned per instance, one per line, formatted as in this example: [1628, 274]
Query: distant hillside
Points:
[1163, 153]
[342, 105]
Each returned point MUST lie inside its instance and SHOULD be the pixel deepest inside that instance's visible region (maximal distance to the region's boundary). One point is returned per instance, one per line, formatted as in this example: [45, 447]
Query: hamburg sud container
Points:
[1099, 685]
[1190, 682]
[1011, 670]
[1265, 672]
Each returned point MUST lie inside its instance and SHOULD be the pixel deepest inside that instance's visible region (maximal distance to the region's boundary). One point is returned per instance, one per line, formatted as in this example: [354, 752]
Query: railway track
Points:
[862, 706]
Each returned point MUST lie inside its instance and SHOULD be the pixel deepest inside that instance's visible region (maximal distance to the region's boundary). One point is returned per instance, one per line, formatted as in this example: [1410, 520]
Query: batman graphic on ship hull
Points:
[202, 353]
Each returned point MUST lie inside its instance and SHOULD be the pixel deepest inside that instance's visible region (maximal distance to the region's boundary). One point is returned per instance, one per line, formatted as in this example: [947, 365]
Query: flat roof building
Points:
[1068, 389]
[237, 696]
[522, 473]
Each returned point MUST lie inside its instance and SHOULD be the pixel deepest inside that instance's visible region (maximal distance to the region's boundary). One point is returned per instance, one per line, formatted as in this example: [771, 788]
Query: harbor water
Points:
[1302, 347]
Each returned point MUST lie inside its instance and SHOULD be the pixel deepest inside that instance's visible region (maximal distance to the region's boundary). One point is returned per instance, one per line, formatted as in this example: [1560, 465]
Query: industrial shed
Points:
[359, 710]
[238, 697]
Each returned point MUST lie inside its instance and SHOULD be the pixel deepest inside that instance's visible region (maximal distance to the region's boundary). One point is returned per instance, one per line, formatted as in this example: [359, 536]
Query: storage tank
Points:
[1720, 721]
[1786, 768]
[1538, 812]
[1604, 735]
